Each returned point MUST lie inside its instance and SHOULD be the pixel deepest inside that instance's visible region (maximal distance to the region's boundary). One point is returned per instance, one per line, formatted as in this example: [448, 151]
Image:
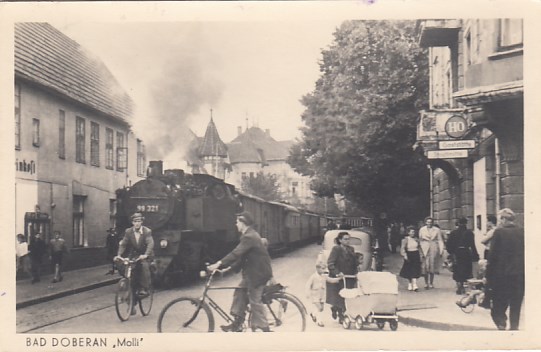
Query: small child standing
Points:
[315, 291]
[409, 249]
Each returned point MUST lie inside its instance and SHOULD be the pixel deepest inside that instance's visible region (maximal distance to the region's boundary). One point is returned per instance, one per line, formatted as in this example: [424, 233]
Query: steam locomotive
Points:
[192, 218]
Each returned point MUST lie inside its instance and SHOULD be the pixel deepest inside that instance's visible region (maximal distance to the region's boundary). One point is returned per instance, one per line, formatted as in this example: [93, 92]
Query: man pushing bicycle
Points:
[252, 257]
[138, 244]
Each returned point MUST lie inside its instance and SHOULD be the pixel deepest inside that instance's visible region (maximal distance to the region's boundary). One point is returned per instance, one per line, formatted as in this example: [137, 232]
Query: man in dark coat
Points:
[138, 244]
[461, 246]
[254, 260]
[505, 270]
[37, 249]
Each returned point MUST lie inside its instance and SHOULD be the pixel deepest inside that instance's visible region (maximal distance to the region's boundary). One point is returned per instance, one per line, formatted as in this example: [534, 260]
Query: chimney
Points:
[267, 131]
[239, 130]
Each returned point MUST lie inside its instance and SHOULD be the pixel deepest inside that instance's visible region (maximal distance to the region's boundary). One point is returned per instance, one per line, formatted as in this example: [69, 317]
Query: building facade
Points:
[251, 152]
[472, 133]
[73, 144]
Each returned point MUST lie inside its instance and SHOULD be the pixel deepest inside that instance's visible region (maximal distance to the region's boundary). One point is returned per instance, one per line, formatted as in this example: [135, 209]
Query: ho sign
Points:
[456, 126]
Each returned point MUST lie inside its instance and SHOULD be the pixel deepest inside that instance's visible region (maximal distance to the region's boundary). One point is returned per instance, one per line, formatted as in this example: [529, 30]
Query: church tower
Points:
[213, 151]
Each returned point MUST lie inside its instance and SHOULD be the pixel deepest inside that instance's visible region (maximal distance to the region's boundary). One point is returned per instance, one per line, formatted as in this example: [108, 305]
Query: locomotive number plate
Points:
[149, 208]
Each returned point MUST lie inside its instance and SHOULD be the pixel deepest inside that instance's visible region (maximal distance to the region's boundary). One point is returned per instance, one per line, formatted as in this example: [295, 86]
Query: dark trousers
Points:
[35, 264]
[248, 293]
[142, 274]
[507, 292]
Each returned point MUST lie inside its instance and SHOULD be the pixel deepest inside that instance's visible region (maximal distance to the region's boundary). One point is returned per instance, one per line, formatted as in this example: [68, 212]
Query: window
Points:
[80, 140]
[121, 152]
[140, 158]
[79, 238]
[243, 176]
[109, 148]
[251, 175]
[61, 134]
[94, 144]
[511, 32]
[17, 117]
[35, 132]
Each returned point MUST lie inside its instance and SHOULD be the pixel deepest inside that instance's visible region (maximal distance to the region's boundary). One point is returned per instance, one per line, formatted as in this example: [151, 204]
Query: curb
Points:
[65, 293]
[435, 325]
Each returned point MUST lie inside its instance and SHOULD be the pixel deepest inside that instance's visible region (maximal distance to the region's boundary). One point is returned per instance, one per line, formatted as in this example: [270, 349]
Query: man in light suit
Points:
[138, 244]
[251, 255]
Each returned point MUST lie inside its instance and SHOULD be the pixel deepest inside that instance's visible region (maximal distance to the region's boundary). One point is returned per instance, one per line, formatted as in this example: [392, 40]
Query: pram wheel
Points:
[380, 324]
[346, 322]
[393, 324]
[468, 309]
[359, 322]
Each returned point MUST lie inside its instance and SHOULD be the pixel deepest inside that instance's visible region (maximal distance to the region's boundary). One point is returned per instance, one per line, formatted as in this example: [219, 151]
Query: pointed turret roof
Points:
[212, 144]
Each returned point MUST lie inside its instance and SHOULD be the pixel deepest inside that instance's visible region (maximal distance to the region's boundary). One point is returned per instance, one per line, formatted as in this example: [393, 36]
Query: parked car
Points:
[359, 240]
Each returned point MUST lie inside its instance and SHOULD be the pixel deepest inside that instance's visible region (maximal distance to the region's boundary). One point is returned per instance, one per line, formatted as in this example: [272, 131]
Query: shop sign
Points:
[447, 154]
[458, 144]
[456, 126]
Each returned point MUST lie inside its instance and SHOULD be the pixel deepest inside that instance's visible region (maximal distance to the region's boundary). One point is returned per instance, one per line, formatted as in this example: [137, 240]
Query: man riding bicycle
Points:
[252, 257]
[138, 244]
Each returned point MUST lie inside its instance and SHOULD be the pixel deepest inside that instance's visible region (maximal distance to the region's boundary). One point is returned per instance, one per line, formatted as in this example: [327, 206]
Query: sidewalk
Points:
[435, 308]
[74, 281]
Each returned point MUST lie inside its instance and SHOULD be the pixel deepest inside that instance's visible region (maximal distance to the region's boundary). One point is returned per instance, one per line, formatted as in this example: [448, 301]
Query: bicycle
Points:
[128, 295]
[285, 312]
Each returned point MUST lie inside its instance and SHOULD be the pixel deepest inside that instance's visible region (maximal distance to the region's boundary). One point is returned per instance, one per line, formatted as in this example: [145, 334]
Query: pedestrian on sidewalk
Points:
[461, 246]
[431, 243]
[491, 227]
[409, 250]
[342, 261]
[37, 249]
[505, 270]
[21, 255]
[395, 239]
[58, 248]
[111, 244]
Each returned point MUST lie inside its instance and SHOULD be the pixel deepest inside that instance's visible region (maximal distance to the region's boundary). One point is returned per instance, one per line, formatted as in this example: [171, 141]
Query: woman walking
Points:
[409, 249]
[342, 261]
[461, 246]
[431, 242]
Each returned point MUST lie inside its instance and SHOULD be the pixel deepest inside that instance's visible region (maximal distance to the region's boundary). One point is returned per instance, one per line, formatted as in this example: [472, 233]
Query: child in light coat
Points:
[316, 291]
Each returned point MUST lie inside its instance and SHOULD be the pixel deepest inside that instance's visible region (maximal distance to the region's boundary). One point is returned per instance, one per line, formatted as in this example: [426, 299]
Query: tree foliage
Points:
[360, 120]
[262, 185]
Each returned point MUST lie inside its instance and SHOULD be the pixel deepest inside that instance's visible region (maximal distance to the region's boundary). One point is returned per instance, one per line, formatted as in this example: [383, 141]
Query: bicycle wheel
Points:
[124, 299]
[286, 313]
[145, 302]
[186, 315]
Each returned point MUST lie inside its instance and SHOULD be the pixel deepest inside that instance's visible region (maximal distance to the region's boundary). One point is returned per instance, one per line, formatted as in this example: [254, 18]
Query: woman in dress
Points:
[431, 242]
[409, 249]
[342, 261]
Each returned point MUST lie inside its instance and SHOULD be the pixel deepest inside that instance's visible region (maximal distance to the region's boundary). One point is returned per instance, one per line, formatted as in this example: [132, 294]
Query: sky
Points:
[248, 73]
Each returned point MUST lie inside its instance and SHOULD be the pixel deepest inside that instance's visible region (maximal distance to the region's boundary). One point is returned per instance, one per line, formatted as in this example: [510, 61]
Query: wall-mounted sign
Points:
[459, 144]
[456, 126]
[447, 154]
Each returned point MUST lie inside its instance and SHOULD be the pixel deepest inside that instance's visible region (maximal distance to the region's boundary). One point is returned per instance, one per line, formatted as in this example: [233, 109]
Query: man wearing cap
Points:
[254, 260]
[138, 244]
[505, 270]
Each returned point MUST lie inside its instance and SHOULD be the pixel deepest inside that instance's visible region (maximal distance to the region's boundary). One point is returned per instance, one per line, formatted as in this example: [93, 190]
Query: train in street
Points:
[193, 220]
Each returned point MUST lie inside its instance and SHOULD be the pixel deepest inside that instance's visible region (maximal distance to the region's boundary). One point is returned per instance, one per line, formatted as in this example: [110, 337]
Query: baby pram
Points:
[373, 300]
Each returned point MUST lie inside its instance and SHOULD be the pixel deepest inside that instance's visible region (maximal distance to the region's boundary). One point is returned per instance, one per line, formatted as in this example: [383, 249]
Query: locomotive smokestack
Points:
[155, 168]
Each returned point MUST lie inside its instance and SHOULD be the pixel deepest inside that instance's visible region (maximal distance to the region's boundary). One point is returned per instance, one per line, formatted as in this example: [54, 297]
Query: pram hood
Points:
[377, 282]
